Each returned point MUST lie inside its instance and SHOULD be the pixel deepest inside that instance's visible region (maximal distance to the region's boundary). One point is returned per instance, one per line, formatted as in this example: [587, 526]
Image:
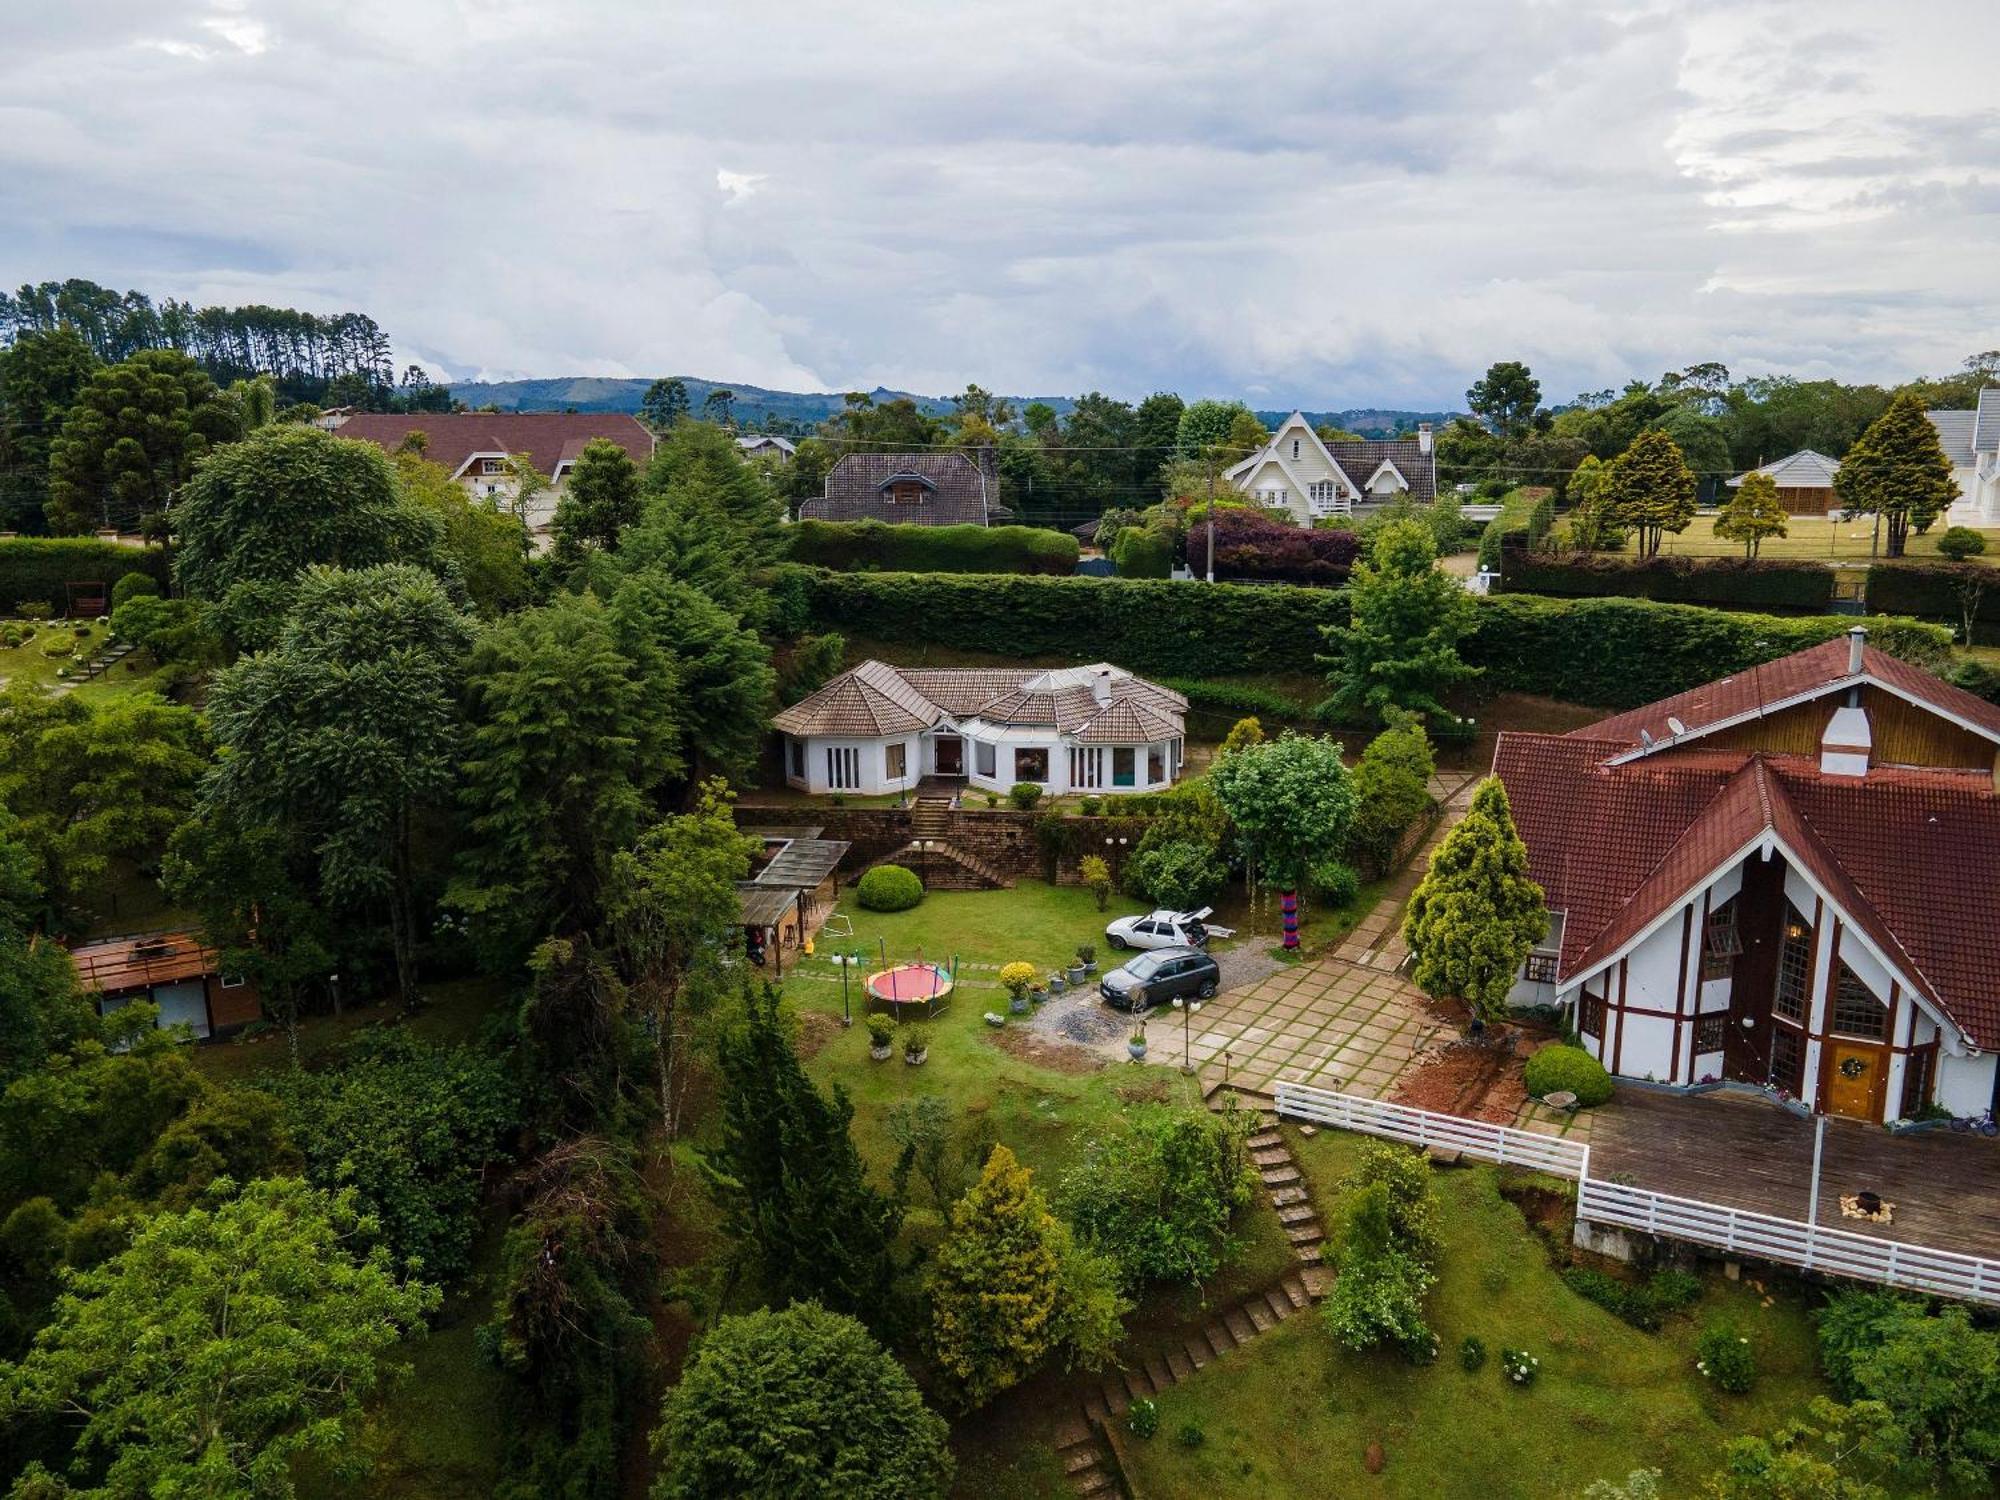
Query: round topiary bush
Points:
[889, 888]
[1024, 794]
[1554, 1069]
[131, 586]
[1960, 542]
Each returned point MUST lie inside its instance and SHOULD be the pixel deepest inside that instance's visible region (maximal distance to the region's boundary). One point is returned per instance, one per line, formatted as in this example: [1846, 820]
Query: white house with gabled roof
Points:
[1311, 480]
[1971, 440]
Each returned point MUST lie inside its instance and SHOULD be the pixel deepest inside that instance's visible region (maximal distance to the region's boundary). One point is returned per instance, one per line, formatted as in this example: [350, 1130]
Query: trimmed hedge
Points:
[1620, 653]
[1929, 591]
[37, 567]
[1612, 653]
[1237, 698]
[875, 545]
[1260, 547]
[1728, 581]
[888, 888]
[1565, 1067]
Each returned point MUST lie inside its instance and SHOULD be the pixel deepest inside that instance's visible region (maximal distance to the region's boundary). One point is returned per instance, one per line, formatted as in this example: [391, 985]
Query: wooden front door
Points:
[1760, 911]
[950, 752]
[1855, 1075]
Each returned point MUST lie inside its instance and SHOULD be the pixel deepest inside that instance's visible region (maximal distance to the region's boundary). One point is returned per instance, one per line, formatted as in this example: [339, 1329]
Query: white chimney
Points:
[1100, 687]
[1845, 747]
[1423, 437]
[1856, 639]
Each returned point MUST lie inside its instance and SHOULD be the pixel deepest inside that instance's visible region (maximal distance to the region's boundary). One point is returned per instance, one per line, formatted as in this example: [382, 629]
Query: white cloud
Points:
[1325, 206]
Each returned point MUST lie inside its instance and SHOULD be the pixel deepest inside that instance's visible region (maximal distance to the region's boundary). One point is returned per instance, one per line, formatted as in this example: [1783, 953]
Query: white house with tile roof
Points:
[878, 729]
[1311, 480]
[1971, 441]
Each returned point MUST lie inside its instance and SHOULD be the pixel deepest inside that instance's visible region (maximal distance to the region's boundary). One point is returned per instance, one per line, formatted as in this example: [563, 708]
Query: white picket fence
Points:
[1733, 1231]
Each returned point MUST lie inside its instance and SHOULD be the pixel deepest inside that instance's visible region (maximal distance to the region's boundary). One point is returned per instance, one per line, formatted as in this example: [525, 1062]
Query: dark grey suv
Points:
[1158, 977]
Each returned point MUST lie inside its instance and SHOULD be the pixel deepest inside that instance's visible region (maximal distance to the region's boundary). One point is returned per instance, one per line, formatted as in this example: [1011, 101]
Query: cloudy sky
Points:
[1327, 205]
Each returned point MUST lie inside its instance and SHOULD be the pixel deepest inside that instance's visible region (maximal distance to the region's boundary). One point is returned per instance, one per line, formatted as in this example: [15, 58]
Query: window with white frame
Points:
[1795, 953]
[799, 759]
[843, 767]
[1156, 764]
[1031, 763]
[1086, 771]
[1275, 496]
[1324, 496]
[1295, 448]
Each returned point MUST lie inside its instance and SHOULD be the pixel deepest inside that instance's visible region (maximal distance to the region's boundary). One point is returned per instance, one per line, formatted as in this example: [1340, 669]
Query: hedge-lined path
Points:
[1087, 1458]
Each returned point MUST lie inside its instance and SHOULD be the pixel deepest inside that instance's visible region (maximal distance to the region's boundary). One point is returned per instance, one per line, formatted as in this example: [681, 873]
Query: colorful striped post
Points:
[1290, 904]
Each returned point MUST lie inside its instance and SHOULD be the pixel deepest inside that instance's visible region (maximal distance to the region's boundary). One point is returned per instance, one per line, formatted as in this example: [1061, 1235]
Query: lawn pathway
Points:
[1080, 1438]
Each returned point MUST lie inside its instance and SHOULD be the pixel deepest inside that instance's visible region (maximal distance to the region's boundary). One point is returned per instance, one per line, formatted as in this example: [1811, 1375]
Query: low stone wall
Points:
[1003, 838]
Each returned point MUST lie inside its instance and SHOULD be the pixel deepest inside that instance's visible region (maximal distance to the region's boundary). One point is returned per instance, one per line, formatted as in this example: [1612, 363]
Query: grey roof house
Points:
[941, 487]
[1971, 441]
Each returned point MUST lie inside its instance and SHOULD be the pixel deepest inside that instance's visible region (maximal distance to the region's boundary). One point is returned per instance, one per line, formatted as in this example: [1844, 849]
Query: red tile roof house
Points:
[943, 487]
[1789, 878]
[473, 447]
[177, 972]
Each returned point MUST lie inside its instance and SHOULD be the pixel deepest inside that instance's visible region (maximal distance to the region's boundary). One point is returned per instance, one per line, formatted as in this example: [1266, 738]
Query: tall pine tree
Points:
[1399, 649]
[1651, 489]
[996, 1292]
[1752, 514]
[1898, 470]
[1476, 913]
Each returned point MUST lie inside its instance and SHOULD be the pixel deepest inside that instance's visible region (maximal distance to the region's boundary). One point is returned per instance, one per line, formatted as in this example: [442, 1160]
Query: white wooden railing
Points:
[1793, 1242]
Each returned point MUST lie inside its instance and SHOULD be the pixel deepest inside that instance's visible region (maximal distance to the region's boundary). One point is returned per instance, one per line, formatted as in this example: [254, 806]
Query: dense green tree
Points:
[997, 1283]
[41, 1010]
[1898, 470]
[582, 1063]
[1830, 1452]
[1752, 514]
[1507, 396]
[224, 1342]
[787, 1179]
[41, 375]
[1207, 431]
[1476, 913]
[1399, 649]
[665, 404]
[700, 468]
[599, 501]
[1592, 526]
[797, 1405]
[1650, 489]
[674, 909]
[89, 783]
[485, 547]
[132, 438]
[1388, 1254]
[573, 725]
[569, 1317]
[1291, 801]
[1702, 439]
[1391, 789]
[289, 498]
[346, 733]
[887, 426]
[722, 671]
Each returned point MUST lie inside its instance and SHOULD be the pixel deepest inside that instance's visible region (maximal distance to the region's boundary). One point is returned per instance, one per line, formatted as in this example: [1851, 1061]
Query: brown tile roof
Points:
[1912, 856]
[1814, 672]
[129, 963]
[545, 438]
[902, 700]
[963, 488]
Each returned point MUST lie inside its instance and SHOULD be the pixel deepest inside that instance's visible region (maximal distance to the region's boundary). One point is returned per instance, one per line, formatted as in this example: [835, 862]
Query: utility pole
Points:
[1211, 516]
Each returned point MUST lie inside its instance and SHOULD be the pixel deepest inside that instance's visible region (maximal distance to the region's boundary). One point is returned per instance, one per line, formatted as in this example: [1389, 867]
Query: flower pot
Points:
[1038, 994]
[1078, 973]
[882, 1053]
[1137, 1049]
[916, 1059]
[1018, 1005]
[1057, 984]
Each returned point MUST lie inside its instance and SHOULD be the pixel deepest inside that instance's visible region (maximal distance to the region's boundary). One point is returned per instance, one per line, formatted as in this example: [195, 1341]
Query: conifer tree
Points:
[1898, 470]
[788, 1179]
[1400, 646]
[599, 502]
[1752, 514]
[997, 1288]
[1651, 489]
[1476, 913]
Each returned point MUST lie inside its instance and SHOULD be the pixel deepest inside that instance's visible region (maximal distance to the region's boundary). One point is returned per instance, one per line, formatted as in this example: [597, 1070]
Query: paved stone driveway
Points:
[1330, 1023]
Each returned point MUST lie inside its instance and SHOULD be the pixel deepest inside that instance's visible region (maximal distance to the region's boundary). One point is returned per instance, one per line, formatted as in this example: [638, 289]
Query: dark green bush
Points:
[851, 545]
[1732, 581]
[1559, 1067]
[1143, 552]
[1938, 1374]
[1930, 592]
[1472, 1353]
[1143, 1418]
[1238, 698]
[1724, 1356]
[131, 586]
[1960, 542]
[1977, 678]
[1179, 874]
[1024, 794]
[36, 568]
[1644, 1305]
[889, 888]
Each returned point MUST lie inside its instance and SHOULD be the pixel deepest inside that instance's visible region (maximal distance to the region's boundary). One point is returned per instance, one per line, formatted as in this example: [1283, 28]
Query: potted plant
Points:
[1015, 979]
[1136, 1042]
[1056, 982]
[1085, 965]
[881, 1034]
[1038, 992]
[916, 1045]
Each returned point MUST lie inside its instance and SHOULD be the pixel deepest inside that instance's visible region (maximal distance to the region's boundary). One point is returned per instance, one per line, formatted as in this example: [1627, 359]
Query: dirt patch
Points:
[816, 1029]
[1550, 1212]
[1475, 1080]
[1057, 1057]
[1152, 1090]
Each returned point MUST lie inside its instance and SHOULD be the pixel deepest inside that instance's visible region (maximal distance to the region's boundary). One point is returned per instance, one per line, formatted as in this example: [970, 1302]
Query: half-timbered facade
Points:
[1788, 878]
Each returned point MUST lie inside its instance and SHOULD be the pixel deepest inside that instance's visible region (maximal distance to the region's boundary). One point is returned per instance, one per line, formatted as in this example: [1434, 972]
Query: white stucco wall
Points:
[1965, 1084]
[871, 760]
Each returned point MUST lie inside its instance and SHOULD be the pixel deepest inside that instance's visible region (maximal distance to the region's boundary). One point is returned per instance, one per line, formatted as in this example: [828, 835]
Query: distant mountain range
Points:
[757, 406]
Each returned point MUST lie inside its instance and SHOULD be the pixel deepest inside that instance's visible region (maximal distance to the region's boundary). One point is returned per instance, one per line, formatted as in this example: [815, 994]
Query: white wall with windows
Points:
[992, 760]
[865, 768]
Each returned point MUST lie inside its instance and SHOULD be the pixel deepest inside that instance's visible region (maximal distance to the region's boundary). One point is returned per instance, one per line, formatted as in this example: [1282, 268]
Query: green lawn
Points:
[1293, 1416]
[1035, 921]
[1808, 537]
[30, 661]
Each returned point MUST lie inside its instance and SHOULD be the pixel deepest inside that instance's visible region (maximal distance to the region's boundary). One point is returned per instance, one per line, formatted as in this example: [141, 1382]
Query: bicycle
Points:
[1981, 1123]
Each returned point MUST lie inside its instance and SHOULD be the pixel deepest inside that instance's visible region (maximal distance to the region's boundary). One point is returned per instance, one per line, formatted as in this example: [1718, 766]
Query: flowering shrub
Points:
[1723, 1355]
[1519, 1366]
[1017, 976]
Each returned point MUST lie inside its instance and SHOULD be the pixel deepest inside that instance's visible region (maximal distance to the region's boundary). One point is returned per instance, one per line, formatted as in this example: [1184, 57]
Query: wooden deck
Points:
[1748, 1153]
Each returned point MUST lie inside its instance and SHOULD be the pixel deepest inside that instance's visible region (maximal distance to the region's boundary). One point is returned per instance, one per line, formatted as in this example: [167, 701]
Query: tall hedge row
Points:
[1733, 582]
[1615, 653]
[1620, 653]
[1931, 592]
[37, 567]
[864, 545]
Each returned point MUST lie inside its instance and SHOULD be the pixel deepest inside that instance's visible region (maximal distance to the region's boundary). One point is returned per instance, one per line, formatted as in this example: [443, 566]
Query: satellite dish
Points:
[1676, 726]
[1646, 738]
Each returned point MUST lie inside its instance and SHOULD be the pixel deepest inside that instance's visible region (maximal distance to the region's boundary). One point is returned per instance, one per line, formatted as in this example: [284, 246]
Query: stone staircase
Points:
[944, 866]
[97, 666]
[930, 818]
[1087, 1458]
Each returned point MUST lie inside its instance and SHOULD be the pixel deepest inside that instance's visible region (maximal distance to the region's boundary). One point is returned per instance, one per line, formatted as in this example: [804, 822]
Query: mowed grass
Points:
[1292, 1415]
[30, 661]
[1822, 538]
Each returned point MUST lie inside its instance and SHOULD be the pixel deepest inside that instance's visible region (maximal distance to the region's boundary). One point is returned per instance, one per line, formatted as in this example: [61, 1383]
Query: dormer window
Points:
[906, 488]
[492, 465]
[906, 494]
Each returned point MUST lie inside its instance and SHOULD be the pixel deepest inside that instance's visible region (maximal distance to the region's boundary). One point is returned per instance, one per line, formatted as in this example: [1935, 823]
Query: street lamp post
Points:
[1188, 1009]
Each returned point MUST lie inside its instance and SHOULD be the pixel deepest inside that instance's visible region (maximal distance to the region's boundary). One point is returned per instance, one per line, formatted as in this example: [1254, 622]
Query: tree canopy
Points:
[1399, 649]
[1650, 489]
[1753, 514]
[1476, 913]
[1898, 470]
[133, 437]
